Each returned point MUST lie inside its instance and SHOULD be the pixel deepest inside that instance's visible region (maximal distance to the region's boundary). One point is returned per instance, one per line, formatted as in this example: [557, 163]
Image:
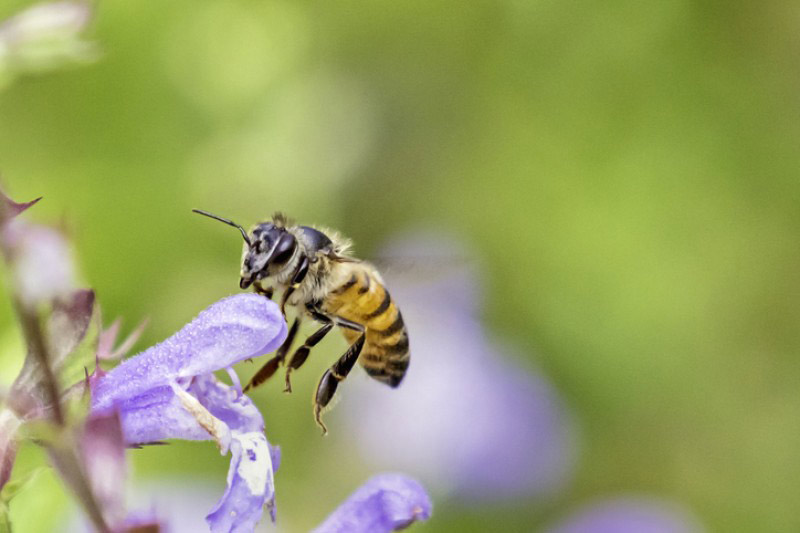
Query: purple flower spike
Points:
[231, 330]
[387, 502]
[629, 516]
[169, 391]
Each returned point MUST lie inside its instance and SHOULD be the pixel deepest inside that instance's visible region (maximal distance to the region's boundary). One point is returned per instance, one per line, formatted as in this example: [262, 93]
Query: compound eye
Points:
[284, 249]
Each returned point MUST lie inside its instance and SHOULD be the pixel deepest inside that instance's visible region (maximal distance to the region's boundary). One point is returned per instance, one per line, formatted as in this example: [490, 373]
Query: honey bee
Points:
[322, 281]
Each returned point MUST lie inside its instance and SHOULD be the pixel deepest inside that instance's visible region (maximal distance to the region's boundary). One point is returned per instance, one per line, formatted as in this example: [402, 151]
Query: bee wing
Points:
[413, 269]
[342, 258]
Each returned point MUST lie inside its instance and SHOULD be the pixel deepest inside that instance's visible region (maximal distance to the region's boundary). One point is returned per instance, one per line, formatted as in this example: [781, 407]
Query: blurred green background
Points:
[628, 171]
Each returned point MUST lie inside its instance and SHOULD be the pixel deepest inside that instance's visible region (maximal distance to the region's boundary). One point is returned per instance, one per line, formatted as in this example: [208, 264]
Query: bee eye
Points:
[284, 249]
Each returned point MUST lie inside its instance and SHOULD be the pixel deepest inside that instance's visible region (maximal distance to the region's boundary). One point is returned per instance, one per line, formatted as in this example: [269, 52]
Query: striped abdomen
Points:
[363, 299]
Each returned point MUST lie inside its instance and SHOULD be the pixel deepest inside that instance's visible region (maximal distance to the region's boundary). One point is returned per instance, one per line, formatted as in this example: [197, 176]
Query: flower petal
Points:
[229, 331]
[250, 486]
[158, 415]
[162, 414]
[387, 502]
[169, 391]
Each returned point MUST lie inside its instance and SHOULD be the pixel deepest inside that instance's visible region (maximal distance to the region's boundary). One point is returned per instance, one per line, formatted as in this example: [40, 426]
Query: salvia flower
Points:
[169, 391]
[491, 429]
[386, 502]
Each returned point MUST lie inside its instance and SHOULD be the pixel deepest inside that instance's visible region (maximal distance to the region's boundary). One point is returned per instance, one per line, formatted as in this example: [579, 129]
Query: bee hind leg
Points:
[331, 378]
[271, 366]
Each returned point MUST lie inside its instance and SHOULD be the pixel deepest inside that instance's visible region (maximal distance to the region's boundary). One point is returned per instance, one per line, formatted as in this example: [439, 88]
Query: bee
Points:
[321, 280]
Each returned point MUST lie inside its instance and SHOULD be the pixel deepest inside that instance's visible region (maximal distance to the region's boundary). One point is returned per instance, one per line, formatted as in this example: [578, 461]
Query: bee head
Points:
[267, 249]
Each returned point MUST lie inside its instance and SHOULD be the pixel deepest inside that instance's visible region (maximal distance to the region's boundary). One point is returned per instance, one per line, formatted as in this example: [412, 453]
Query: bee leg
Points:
[331, 378]
[301, 354]
[269, 368]
[285, 298]
[264, 291]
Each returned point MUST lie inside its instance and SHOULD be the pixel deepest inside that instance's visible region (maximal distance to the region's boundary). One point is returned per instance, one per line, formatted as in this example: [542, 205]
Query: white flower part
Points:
[215, 427]
[255, 466]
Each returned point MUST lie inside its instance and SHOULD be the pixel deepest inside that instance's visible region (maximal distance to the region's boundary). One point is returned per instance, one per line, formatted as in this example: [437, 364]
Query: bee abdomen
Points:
[382, 308]
[386, 358]
[363, 299]
[396, 326]
[389, 371]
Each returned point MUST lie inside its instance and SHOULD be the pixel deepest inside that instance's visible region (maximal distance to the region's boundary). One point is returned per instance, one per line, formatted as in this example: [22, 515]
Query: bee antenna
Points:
[226, 221]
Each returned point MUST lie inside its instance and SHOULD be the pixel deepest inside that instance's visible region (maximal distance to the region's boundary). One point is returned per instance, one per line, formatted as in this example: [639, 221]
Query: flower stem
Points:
[65, 459]
[32, 330]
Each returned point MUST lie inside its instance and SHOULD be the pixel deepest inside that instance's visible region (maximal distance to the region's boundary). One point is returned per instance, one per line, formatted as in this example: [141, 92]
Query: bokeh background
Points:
[624, 174]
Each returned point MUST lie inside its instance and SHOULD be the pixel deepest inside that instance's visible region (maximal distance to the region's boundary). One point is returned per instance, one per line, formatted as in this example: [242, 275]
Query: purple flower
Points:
[169, 391]
[467, 420]
[386, 502]
[629, 516]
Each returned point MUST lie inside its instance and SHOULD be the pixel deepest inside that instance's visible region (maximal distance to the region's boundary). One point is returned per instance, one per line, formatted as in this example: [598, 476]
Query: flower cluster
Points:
[169, 391]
